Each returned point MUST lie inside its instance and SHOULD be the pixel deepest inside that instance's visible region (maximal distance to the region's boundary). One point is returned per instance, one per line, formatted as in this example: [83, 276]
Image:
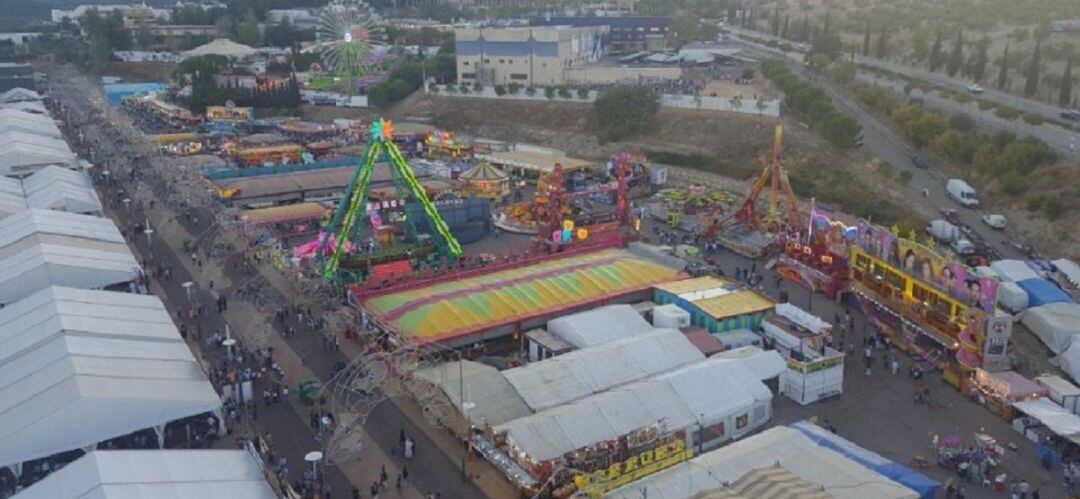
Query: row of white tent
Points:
[51, 188]
[30, 141]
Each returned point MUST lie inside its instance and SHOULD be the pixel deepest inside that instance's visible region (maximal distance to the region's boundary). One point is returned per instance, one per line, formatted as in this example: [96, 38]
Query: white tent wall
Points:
[1054, 324]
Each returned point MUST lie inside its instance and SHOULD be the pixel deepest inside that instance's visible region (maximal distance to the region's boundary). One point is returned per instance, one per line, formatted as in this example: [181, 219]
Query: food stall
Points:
[814, 370]
[999, 391]
[180, 144]
[279, 155]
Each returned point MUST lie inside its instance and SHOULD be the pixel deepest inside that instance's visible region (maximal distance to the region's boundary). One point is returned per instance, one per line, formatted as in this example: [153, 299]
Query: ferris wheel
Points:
[347, 34]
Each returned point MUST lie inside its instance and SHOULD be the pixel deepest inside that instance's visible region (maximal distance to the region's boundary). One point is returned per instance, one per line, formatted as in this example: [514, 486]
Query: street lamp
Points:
[187, 287]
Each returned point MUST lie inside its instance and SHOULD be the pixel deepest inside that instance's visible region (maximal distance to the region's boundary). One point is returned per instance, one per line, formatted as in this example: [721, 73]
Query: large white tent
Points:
[838, 476]
[32, 107]
[707, 393]
[581, 373]
[78, 367]
[1055, 324]
[222, 46]
[58, 188]
[18, 158]
[19, 94]
[599, 325]
[51, 188]
[167, 474]
[39, 248]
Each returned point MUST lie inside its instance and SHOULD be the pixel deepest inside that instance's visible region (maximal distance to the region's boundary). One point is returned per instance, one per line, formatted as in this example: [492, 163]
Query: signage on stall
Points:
[602, 481]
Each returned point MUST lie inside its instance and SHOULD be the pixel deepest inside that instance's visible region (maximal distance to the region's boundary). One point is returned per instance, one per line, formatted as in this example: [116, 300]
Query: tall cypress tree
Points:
[866, 40]
[776, 22]
[1003, 73]
[804, 31]
[825, 29]
[787, 25]
[882, 44]
[977, 67]
[956, 57]
[1065, 97]
[935, 54]
[1032, 84]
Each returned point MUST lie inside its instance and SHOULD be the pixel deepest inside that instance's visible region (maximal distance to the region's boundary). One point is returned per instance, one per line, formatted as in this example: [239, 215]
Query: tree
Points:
[882, 44]
[1032, 84]
[866, 40]
[825, 28]
[936, 57]
[761, 105]
[549, 92]
[977, 66]
[775, 23]
[143, 38]
[844, 73]
[1003, 72]
[623, 112]
[248, 30]
[804, 30]
[840, 129]
[225, 27]
[1065, 96]
[583, 93]
[500, 90]
[564, 93]
[956, 57]
[787, 26]
[514, 88]
[818, 61]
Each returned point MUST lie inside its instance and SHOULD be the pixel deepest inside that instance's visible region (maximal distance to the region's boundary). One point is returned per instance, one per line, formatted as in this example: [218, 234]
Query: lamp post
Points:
[314, 457]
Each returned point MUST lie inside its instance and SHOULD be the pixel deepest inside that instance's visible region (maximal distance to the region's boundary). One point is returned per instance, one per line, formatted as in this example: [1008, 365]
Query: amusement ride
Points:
[345, 41]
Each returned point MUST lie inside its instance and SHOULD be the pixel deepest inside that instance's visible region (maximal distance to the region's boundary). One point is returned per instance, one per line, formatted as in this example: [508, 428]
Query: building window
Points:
[742, 421]
[519, 76]
[502, 61]
[654, 29]
[465, 63]
[487, 61]
[468, 75]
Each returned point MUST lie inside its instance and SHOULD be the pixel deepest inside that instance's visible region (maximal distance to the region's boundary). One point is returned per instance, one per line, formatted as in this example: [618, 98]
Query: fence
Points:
[760, 107]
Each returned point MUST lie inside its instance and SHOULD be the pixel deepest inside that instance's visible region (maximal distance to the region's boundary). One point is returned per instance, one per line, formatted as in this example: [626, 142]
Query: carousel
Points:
[486, 181]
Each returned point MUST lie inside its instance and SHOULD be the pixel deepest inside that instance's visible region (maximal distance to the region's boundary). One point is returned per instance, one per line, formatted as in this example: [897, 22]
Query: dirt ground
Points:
[732, 143]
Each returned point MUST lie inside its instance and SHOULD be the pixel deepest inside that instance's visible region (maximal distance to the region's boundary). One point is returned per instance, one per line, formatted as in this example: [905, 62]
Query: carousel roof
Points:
[483, 171]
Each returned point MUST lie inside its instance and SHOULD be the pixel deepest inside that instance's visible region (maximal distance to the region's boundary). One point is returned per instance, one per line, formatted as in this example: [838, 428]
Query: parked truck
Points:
[943, 231]
[962, 193]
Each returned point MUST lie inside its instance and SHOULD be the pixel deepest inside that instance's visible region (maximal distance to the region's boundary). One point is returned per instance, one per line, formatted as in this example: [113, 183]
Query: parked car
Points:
[952, 216]
[1070, 115]
[975, 88]
[962, 192]
[995, 221]
[919, 162]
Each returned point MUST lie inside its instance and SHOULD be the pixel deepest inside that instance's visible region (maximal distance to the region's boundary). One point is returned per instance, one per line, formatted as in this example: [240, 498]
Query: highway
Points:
[882, 142]
[1065, 142]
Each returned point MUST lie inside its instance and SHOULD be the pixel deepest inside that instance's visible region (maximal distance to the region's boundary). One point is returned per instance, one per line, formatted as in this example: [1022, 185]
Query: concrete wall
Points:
[616, 74]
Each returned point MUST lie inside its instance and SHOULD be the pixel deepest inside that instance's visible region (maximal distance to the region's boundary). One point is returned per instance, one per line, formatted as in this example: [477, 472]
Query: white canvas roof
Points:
[599, 325]
[581, 373]
[58, 188]
[18, 134]
[1054, 324]
[11, 115]
[494, 400]
[33, 107]
[222, 46]
[1069, 269]
[840, 477]
[1013, 270]
[78, 367]
[40, 248]
[11, 197]
[765, 364]
[129, 474]
[1055, 417]
[44, 128]
[19, 94]
[18, 158]
[705, 392]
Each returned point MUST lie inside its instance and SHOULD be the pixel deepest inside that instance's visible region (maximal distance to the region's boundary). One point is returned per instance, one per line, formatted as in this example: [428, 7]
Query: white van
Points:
[962, 193]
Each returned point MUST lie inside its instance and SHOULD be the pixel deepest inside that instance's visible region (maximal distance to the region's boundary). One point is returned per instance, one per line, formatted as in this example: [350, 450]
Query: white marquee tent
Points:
[39, 248]
[128, 474]
[599, 325]
[43, 127]
[19, 94]
[707, 393]
[222, 46]
[78, 367]
[839, 476]
[581, 373]
[61, 189]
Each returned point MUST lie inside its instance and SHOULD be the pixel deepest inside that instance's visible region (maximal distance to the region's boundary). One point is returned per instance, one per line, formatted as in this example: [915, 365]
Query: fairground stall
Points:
[999, 391]
[305, 131]
[819, 262]
[180, 144]
[936, 309]
[814, 369]
[444, 145]
[269, 155]
[229, 119]
[716, 304]
[286, 222]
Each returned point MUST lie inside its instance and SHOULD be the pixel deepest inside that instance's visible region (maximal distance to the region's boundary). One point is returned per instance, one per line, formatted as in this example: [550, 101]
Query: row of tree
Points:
[812, 104]
[200, 72]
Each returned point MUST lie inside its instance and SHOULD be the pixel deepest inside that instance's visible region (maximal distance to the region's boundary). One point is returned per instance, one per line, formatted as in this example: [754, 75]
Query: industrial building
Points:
[625, 34]
[529, 56]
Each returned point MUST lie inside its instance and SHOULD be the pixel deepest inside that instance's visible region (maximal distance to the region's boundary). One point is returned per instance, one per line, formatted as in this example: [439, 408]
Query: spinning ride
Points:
[346, 226]
[775, 176]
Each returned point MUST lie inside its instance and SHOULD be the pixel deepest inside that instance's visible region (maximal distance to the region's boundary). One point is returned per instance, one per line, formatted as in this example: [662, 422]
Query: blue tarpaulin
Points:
[920, 483]
[1042, 292]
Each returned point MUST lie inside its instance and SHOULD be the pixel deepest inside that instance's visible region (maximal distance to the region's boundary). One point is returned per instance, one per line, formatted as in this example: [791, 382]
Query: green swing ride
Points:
[333, 260]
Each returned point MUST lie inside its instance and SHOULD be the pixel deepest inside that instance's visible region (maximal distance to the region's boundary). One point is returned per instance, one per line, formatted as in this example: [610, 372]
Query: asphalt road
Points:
[886, 145]
[1065, 142]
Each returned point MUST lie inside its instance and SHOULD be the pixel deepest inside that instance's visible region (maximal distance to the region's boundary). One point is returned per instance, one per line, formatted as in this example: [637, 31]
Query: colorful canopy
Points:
[484, 171]
[285, 213]
[456, 308]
